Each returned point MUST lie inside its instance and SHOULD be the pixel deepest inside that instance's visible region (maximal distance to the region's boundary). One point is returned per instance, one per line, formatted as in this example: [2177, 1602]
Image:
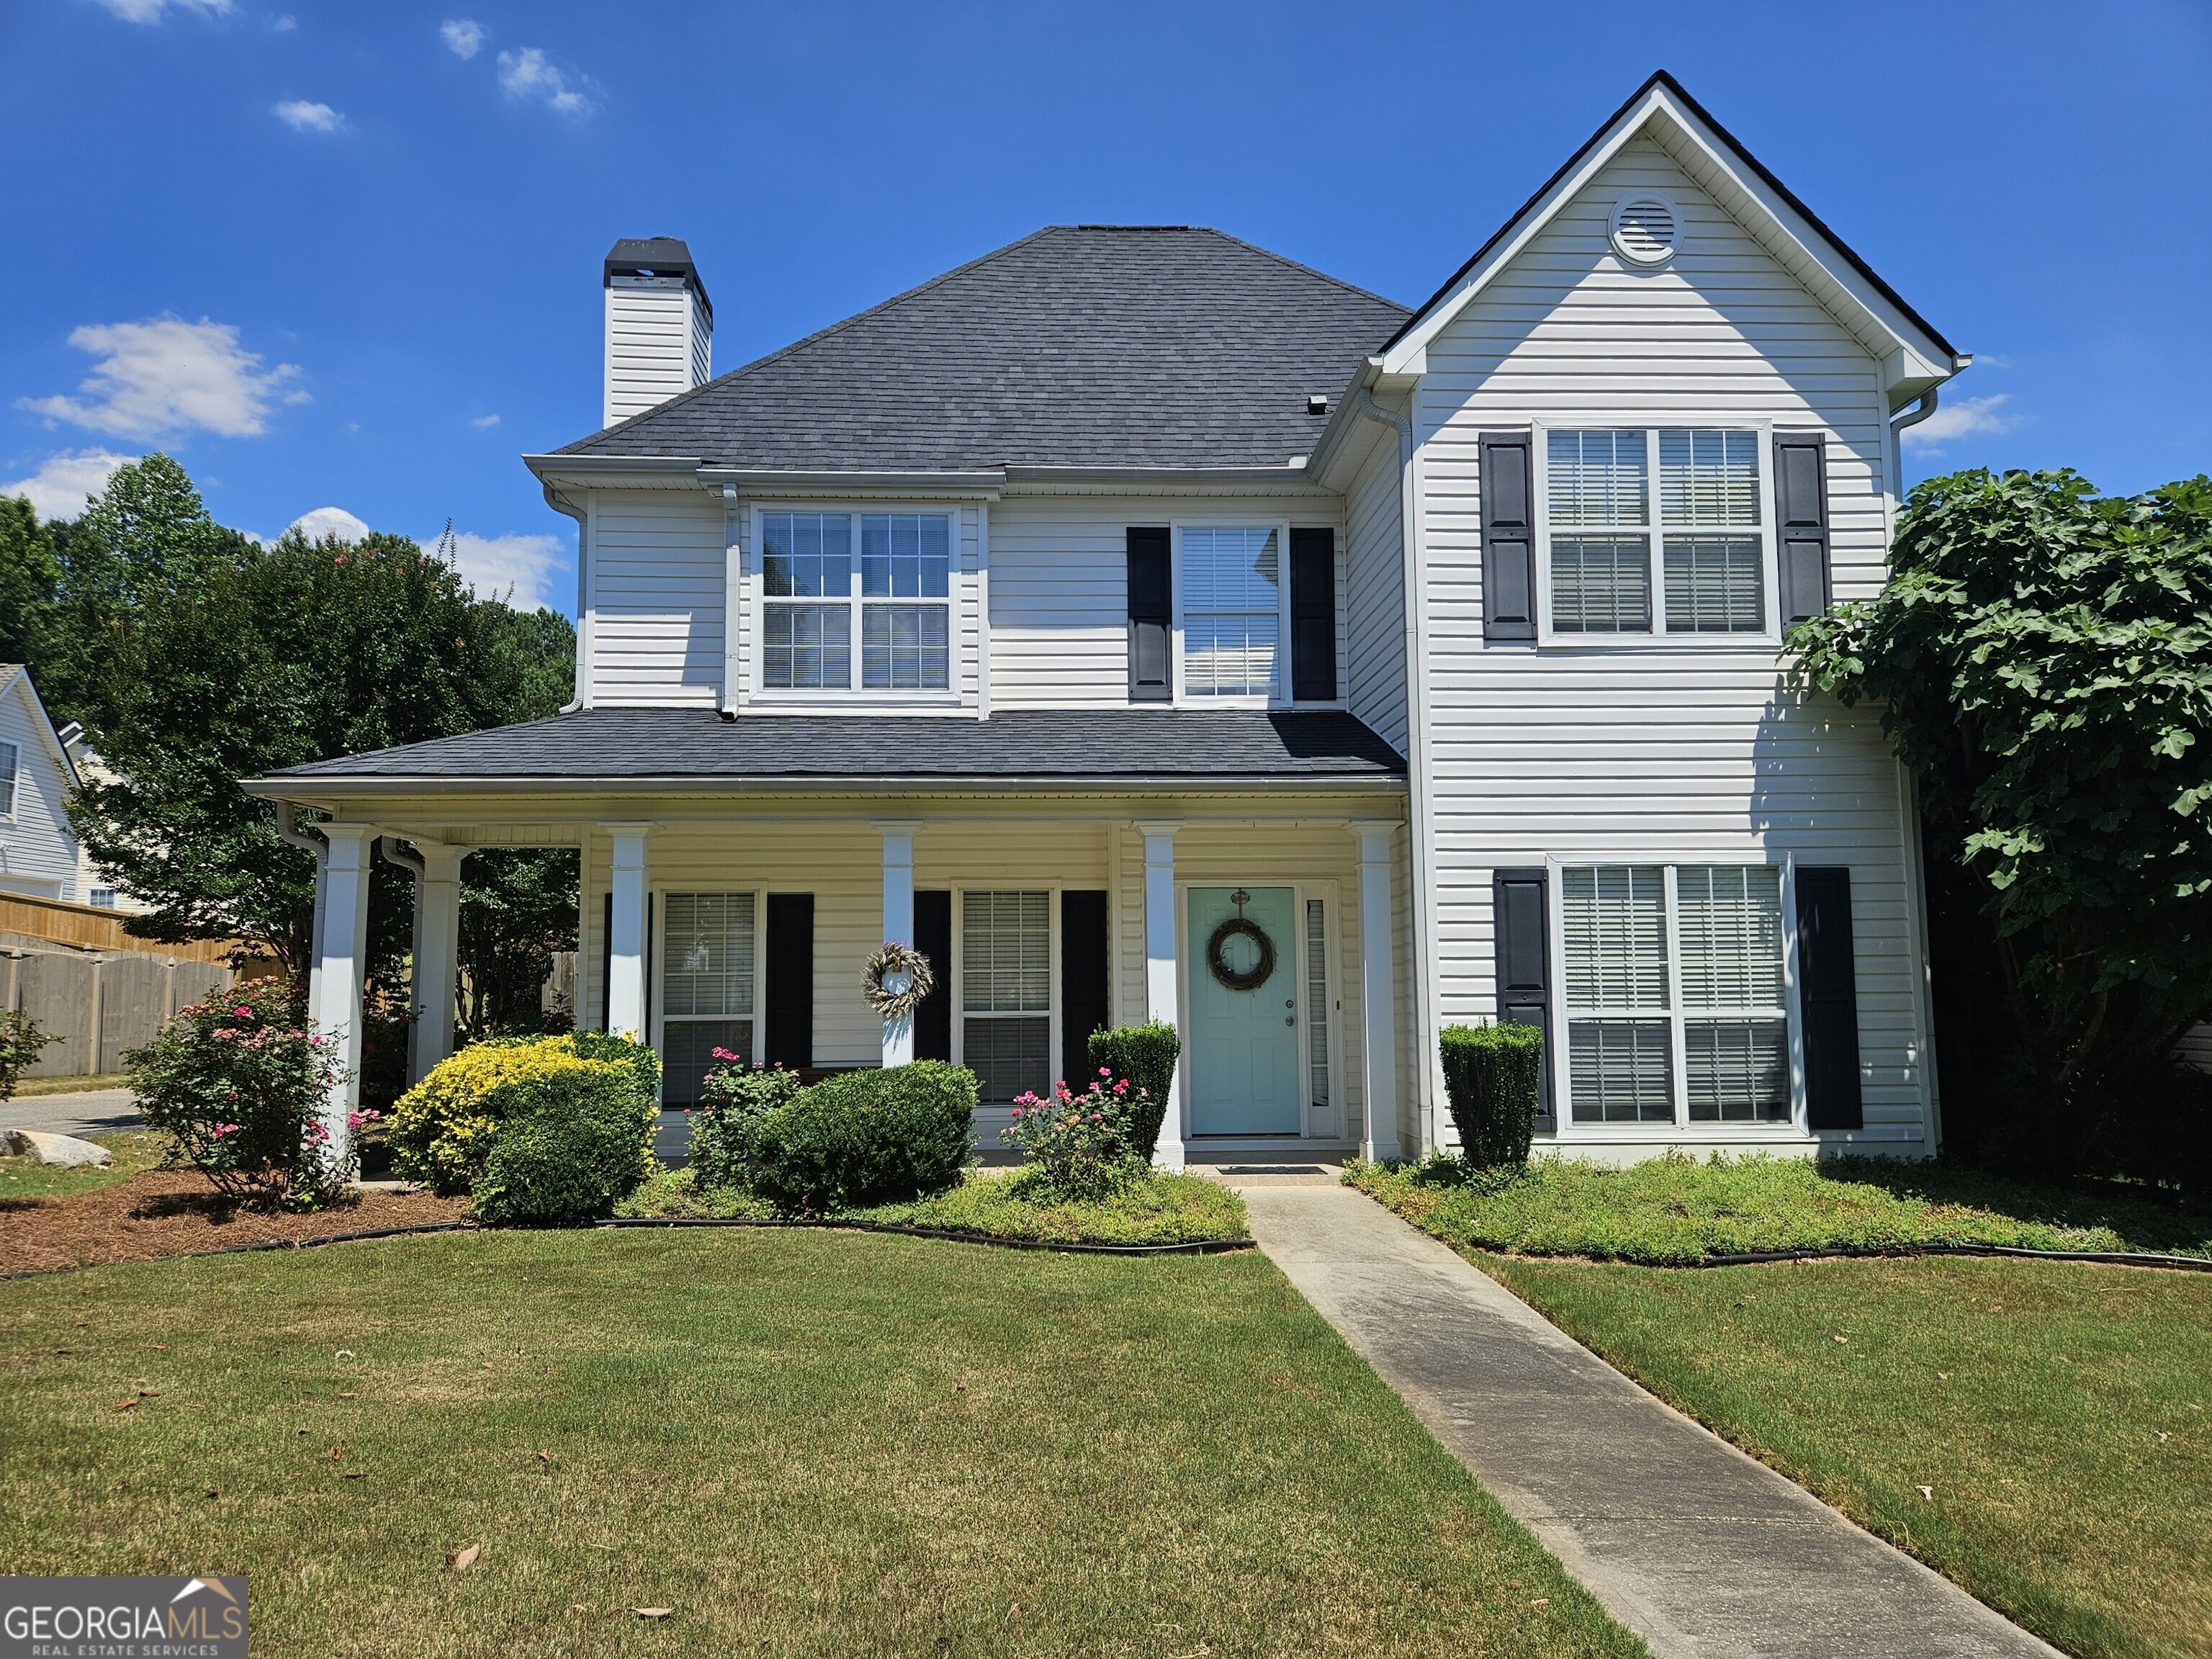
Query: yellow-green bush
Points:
[442, 1130]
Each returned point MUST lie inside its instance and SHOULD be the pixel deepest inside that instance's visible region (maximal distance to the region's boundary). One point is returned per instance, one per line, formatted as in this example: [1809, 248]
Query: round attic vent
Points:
[1646, 230]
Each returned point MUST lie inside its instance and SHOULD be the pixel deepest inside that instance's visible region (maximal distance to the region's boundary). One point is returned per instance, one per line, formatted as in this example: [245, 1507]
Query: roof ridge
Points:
[1307, 270]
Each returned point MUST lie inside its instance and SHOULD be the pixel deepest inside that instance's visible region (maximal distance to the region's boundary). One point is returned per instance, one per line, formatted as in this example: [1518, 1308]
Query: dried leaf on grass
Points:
[461, 1559]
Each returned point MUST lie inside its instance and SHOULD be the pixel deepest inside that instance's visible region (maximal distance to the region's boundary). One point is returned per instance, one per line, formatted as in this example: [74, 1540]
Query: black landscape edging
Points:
[1186, 1247]
[2109, 1258]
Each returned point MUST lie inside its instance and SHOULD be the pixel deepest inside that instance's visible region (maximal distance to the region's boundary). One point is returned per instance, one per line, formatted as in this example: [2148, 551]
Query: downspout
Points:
[1920, 412]
[1915, 854]
[289, 831]
[1417, 712]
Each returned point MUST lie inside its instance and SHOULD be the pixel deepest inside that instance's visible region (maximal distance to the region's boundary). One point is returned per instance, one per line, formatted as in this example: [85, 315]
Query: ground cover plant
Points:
[26, 1181]
[798, 1442]
[1675, 1211]
[2036, 1432]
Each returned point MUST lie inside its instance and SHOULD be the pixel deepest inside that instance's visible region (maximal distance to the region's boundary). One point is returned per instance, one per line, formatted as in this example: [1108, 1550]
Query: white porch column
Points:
[898, 925]
[336, 989]
[1378, 1000]
[626, 939]
[1161, 999]
[437, 956]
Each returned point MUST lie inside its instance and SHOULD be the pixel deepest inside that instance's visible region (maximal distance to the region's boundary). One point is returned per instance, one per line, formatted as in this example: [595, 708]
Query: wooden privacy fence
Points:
[101, 1004]
[90, 929]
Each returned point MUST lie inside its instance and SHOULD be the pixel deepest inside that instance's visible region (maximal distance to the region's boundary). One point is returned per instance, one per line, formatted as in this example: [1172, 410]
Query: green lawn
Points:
[803, 1442]
[1162, 1209]
[2056, 1411]
[27, 1178]
[1671, 1212]
[29, 1087]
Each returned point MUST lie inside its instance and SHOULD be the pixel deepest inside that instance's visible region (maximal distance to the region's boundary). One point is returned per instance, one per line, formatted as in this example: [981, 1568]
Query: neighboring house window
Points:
[101, 898]
[899, 585]
[7, 758]
[1674, 997]
[1232, 602]
[707, 987]
[1005, 993]
[1710, 568]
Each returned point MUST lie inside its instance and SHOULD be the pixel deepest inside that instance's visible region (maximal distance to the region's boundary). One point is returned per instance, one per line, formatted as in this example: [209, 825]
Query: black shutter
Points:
[1524, 996]
[1083, 999]
[1313, 615]
[932, 937]
[606, 959]
[1151, 615]
[1509, 538]
[790, 987]
[1801, 511]
[1828, 997]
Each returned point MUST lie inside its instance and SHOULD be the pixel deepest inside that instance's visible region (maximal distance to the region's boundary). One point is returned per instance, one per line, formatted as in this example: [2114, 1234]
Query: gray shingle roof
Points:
[1080, 746]
[1080, 345]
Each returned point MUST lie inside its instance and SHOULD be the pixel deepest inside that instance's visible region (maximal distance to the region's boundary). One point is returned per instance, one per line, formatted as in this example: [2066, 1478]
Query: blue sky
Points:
[348, 256]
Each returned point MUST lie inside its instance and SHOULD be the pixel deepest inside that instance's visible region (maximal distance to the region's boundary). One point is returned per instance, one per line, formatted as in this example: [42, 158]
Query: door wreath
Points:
[1240, 926]
[908, 968]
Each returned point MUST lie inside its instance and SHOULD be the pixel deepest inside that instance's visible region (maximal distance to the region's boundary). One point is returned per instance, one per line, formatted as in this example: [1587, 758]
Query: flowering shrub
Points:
[1080, 1148]
[737, 1097]
[239, 1090]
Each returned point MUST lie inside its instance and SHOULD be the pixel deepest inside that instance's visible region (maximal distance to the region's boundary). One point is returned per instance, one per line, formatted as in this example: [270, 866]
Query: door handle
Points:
[1290, 1019]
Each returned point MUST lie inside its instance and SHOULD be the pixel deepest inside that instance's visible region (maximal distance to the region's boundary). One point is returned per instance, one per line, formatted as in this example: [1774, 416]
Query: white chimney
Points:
[660, 326]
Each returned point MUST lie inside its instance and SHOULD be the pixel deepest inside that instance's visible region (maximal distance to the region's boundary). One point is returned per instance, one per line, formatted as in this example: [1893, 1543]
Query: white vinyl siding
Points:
[39, 852]
[658, 344]
[1670, 751]
[1005, 994]
[655, 598]
[1374, 594]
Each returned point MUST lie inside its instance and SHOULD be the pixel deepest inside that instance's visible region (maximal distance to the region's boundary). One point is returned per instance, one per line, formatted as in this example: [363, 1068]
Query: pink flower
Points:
[1105, 1071]
[1097, 1117]
[724, 1053]
[243, 1013]
[1018, 1111]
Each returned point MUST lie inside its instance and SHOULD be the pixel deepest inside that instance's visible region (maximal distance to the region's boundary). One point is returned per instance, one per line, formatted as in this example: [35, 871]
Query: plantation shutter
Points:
[788, 1000]
[1800, 511]
[932, 937]
[1083, 998]
[1509, 538]
[1828, 997]
[1517, 912]
[1151, 615]
[1313, 615]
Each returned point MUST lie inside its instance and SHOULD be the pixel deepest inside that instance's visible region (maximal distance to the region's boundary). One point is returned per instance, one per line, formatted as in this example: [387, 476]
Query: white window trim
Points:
[1279, 697]
[14, 780]
[1555, 923]
[958, 989]
[656, 992]
[854, 695]
[1768, 639]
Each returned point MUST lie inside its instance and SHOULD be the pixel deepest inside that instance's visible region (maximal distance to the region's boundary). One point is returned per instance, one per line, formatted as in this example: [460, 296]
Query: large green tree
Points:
[205, 657]
[2043, 656]
[30, 578]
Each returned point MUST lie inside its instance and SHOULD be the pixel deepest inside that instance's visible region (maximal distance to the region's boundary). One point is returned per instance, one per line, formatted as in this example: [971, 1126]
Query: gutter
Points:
[286, 791]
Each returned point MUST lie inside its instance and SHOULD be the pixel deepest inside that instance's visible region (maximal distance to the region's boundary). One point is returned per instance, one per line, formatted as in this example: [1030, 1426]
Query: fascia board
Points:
[324, 794]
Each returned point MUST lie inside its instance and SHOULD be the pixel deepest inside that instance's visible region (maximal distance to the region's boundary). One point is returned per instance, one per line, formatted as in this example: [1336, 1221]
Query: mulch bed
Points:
[168, 1213]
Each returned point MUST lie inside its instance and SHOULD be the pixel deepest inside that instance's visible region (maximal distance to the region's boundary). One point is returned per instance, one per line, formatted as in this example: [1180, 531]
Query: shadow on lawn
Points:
[2148, 1218]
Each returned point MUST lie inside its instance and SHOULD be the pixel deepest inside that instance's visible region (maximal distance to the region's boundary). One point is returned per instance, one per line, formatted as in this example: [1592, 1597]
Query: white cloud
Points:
[57, 488]
[463, 35]
[492, 565]
[1968, 418]
[149, 11]
[483, 423]
[529, 75]
[329, 522]
[165, 376]
[285, 24]
[301, 116]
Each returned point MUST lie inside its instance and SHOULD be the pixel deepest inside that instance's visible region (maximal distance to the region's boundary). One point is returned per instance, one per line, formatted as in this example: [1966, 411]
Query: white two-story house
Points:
[1131, 580]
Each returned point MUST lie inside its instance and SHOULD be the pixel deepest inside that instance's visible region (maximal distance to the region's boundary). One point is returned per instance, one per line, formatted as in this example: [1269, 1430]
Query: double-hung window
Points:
[1676, 1005]
[706, 986]
[830, 582]
[1686, 560]
[9, 764]
[1232, 611]
[1005, 993]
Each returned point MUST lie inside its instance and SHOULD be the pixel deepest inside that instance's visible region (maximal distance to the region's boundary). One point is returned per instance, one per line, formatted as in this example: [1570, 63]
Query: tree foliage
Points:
[2044, 658]
[30, 577]
[517, 908]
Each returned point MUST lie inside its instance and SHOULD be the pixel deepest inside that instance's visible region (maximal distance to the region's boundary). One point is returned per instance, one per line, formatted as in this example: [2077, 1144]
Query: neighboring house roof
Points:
[9, 673]
[616, 746]
[1082, 345]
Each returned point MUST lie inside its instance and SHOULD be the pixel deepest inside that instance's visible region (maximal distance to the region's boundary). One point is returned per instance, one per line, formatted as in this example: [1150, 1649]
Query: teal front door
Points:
[1243, 1042]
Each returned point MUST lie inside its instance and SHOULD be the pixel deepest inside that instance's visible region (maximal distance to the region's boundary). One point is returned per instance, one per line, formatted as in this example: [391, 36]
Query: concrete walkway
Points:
[1700, 1550]
[95, 1111]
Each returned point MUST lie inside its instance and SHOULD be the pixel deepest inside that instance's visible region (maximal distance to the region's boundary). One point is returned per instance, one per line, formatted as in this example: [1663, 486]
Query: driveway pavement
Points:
[1700, 1550]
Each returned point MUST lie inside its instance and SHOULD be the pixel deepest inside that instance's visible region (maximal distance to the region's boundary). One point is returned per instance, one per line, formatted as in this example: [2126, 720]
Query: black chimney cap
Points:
[657, 256]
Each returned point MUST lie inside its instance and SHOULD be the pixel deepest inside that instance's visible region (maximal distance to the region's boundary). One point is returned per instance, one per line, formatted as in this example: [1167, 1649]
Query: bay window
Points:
[894, 598]
[1675, 1001]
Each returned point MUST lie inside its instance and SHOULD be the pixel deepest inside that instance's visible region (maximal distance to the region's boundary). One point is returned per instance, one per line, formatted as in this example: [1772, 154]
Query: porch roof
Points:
[696, 745]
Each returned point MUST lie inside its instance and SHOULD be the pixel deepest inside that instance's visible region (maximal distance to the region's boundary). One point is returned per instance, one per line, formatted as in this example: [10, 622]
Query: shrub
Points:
[1494, 1078]
[1143, 1057]
[444, 1128]
[736, 1099]
[1082, 1148]
[873, 1137]
[20, 1040]
[576, 1142]
[239, 1090]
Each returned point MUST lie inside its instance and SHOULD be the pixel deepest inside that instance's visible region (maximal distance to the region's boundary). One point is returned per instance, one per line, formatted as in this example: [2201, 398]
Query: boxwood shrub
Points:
[1493, 1078]
[576, 1142]
[872, 1136]
[1143, 1056]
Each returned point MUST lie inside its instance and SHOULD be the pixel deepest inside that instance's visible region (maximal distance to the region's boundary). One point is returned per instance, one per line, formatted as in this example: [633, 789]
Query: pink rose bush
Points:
[238, 1087]
[1077, 1148]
